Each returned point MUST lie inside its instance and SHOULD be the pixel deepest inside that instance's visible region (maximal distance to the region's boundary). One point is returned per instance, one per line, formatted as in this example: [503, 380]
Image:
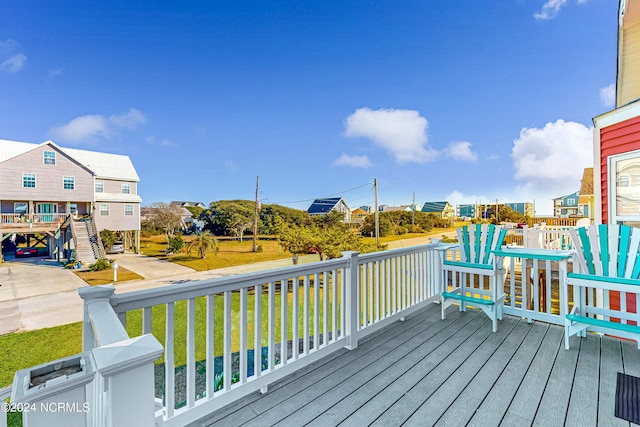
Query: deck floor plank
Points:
[610, 365]
[496, 403]
[463, 409]
[437, 403]
[555, 400]
[583, 403]
[453, 372]
[356, 392]
[393, 349]
[375, 397]
[535, 379]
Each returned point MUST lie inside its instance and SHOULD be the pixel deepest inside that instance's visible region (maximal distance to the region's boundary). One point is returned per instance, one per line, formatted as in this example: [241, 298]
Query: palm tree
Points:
[203, 243]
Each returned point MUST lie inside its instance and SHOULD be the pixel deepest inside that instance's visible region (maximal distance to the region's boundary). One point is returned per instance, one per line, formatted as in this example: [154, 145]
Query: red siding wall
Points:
[620, 138]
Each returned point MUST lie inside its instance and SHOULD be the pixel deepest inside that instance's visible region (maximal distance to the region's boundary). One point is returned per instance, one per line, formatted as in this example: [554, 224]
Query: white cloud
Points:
[230, 165]
[549, 162]
[53, 74]
[14, 63]
[550, 9]
[401, 132]
[461, 151]
[161, 142]
[10, 61]
[8, 46]
[86, 128]
[353, 161]
[608, 95]
[458, 198]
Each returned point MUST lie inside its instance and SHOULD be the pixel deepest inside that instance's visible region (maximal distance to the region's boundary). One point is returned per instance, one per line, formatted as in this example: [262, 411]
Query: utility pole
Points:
[255, 219]
[413, 209]
[375, 191]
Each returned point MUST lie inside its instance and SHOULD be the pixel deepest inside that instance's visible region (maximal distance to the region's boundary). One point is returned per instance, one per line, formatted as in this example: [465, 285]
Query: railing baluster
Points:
[325, 308]
[210, 350]
[376, 283]
[227, 359]
[295, 344]
[257, 332]
[272, 326]
[306, 315]
[284, 321]
[243, 334]
[169, 361]
[334, 306]
[369, 285]
[316, 311]
[191, 352]
[146, 320]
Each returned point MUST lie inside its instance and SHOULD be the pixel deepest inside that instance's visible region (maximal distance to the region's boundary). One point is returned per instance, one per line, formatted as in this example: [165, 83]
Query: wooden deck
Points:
[425, 371]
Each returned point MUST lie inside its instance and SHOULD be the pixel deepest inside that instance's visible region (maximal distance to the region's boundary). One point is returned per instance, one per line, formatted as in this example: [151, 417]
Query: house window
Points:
[29, 180]
[20, 207]
[68, 182]
[126, 188]
[624, 188]
[99, 187]
[128, 210]
[73, 208]
[49, 157]
[104, 210]
[571, 202]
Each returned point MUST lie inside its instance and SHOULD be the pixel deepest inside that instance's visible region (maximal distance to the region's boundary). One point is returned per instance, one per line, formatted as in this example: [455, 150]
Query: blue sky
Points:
[461, 101]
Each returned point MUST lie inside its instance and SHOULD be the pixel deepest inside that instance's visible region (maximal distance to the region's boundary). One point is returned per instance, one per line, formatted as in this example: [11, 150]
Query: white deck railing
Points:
[223, 338]
[283, 319]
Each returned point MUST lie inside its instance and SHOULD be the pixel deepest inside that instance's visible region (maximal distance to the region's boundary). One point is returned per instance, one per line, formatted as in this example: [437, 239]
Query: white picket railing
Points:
[303, 313]
[223, 338]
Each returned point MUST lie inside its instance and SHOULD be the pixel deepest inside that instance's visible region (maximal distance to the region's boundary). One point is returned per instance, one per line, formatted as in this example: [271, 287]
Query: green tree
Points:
[108, 238]
[203, 243]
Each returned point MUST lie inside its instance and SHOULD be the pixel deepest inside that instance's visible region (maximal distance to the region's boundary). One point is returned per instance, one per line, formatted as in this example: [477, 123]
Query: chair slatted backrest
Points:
[610, 250]
[477, 241]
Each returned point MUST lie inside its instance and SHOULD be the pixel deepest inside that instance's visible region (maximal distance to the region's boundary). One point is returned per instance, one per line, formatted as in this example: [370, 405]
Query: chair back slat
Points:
[463, 240]
[490, 238]
[633, 266]
[578, 256]
[594, 247]
[624, 239]
[606, 246]
[477, 242]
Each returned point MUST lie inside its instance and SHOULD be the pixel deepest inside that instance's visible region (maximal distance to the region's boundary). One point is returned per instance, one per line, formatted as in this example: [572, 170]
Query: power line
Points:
[325, 197]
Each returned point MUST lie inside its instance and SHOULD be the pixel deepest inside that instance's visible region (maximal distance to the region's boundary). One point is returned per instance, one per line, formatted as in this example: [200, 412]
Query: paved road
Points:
[36, 294]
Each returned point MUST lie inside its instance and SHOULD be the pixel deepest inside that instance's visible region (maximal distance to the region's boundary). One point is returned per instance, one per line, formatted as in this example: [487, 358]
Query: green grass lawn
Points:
[231, 253]
[104, 277]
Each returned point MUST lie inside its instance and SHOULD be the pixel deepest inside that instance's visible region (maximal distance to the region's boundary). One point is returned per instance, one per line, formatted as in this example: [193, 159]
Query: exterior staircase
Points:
[87, 241]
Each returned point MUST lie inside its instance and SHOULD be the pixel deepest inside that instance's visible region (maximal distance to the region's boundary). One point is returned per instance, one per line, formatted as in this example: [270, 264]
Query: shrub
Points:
[101, 264]
[175, 244]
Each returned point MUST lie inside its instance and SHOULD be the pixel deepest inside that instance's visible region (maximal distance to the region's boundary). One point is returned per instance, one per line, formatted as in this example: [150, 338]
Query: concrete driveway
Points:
[37, 293]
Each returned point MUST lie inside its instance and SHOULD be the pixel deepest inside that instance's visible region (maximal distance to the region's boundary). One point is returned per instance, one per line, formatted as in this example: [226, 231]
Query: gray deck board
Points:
[610, 365]
[535, 379]
[496, 403]
[583, 403]
[454, 372]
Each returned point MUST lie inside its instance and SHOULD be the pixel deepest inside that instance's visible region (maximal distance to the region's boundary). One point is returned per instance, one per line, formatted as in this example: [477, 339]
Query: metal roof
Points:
[103, 165]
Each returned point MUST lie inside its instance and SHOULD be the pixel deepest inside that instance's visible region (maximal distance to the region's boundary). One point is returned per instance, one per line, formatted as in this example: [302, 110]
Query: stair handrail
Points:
[95, 239]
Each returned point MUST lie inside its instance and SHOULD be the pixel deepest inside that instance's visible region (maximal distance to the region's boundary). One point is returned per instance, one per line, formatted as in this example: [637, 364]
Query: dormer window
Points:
[49, 157]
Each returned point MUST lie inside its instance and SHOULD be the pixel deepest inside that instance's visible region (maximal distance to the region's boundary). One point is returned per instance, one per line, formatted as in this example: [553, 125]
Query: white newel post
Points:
[351, 300]
[126, 368]
[124, 390]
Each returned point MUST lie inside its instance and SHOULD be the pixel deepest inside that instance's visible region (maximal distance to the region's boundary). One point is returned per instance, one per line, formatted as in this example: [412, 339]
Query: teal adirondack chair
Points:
[476, 259]
[606, 285]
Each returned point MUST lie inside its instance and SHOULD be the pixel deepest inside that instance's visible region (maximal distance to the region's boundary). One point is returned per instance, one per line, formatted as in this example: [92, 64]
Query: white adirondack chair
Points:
[606, 287]
[476, 259]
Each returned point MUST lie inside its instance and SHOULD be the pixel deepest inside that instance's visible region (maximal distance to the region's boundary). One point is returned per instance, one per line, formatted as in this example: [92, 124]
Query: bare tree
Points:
[165, 217]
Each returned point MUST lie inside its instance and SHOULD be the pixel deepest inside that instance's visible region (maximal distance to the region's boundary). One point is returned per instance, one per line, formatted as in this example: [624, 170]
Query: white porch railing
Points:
[33, 218]
[223, 338]
[264, 325]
